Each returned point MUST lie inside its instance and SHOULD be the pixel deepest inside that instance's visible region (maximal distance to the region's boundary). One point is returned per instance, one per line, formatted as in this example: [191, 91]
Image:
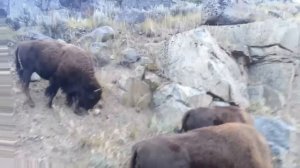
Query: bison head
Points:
[90, 96]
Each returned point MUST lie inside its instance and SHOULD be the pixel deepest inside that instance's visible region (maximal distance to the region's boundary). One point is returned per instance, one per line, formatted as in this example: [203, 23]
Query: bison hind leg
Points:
[25, 76]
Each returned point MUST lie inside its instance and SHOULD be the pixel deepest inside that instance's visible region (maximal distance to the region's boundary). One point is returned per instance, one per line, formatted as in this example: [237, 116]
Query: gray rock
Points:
[99, 161]
[277, 76]
[153, 80]
[266, 96]
[194, 59]
[260, 42]
[101, 53]
[277, 134]
[142, 4]
[213, 9]
[188, 96]
[230, 12]
[216, 12]
[35, 77]
[129, 56]
[101, 34]
[172, 100]
[256, 94]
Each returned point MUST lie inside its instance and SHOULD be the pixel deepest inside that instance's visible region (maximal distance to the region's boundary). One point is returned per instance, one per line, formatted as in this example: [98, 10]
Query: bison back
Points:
[226, 146]
[159, 152]
[42, 57]
[204, 117]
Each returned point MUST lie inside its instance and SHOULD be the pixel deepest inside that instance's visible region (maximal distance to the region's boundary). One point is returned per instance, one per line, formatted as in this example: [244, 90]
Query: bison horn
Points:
[97, 90]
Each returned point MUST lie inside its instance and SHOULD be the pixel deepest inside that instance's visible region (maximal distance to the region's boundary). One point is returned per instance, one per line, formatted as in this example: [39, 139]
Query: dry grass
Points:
[259, 109]
[96, 20]
[114, 146]
[171, 24]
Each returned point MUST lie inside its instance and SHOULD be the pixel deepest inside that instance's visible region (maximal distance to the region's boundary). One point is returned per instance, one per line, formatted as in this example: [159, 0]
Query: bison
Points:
[230, 145]
[209, 116]
[65, 66]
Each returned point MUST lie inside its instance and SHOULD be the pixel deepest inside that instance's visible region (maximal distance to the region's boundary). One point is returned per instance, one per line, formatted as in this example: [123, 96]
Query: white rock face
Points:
[194, 59]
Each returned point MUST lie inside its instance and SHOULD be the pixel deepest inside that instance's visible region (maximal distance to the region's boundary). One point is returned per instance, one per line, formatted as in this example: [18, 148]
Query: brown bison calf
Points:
[231, 145]
[210, 116]
[65, 66]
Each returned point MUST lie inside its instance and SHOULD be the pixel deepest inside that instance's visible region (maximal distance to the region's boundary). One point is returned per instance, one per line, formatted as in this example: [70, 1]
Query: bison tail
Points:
[133, 159]
[19, 67]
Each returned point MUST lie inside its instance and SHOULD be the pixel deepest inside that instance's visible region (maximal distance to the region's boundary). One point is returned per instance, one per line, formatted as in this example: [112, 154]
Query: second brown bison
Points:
[210, 116]
[231, 145]
[65, 66]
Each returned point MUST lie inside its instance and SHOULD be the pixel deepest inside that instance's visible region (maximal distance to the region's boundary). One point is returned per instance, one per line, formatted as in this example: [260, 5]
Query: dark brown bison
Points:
[231, 145]
[65, 66]
[209, 116]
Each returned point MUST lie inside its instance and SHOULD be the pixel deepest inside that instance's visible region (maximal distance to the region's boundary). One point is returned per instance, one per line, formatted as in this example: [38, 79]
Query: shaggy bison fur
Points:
[209, 116]
[231, 145]
[65, 66]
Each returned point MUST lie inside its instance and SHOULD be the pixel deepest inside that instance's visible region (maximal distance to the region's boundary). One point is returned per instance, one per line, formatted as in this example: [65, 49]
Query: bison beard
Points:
[231, 145]
[65, 66]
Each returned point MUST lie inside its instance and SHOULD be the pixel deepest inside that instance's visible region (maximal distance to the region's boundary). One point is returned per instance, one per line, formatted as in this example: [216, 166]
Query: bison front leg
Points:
[70, 99]
[25, 78]
[79, 110]
[51, 91]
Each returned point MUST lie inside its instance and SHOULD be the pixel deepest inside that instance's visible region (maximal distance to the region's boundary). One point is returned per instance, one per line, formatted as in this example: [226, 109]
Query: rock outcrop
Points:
[194, 59]
[270, 57]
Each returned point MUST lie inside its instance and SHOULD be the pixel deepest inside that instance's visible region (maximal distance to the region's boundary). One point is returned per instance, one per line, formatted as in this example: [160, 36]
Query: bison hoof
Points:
[69, 104]
[30, 103]
[80, 112]
[49, 106]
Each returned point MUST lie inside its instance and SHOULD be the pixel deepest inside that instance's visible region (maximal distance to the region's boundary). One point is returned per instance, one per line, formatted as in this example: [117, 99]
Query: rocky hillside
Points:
[157, 59]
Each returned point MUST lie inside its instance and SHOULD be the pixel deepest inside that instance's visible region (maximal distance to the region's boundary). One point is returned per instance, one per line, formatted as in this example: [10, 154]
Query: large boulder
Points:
[213, 12]
[100, 34]
[129, 56]
[270, 55]
[172, 100]
[194, 59]
[259, 40]
[229, 12]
